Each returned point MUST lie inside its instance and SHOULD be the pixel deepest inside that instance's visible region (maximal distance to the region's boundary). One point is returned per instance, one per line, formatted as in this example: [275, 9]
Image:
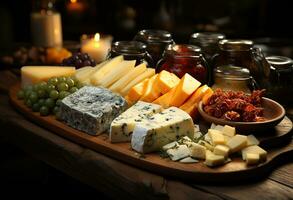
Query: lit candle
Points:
[97, 47]
[74, 6]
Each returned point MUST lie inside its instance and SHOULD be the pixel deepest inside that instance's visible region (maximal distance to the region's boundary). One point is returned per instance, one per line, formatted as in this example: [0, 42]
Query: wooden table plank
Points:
[284, 175]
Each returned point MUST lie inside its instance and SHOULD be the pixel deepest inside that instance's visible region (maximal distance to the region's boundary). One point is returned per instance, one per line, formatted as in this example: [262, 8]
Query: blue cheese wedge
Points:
[122, 126]
[160, 129]
[92, 109]
[188, 160]
[170, 145]
[178, 152]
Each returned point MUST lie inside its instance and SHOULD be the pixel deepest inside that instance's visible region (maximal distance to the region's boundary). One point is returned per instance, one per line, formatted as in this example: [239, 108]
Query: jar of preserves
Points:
[131, 50]
[233, 78]
[243, 54]
[281, 79]
[180, 59]
[156, 41]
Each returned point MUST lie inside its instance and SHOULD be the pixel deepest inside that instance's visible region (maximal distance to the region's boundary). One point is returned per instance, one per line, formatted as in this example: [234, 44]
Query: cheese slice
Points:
[254, 150]
[213, 160]
[108, 67]
[84, 74]
[136, 92]
[152, 91]
[237, 143]
[146, 74]
[160, 129]
[122, 126]
[133, 73]
[118, 72]
[166, 81]
[216, 137]
[178, 152]
[184, 89]
[34, 74]
[164, 100]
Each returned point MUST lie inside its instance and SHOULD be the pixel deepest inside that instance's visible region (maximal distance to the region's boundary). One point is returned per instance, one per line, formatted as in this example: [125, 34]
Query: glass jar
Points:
[208, 42]
[281, 79]
[156, 41]
[241, 53]
[131, 50]
[180, 59]
[233, 78]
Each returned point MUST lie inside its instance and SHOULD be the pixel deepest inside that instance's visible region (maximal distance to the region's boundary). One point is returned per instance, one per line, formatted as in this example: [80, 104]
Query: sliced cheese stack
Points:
[34, 74]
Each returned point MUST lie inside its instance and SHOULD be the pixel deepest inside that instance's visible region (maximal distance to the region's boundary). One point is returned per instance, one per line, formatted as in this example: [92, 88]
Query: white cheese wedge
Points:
[197, 151]
[221, 150]
[123, 81]
[122, 126]
[188, 160]
[213, 160]
[228, 130]
[252, 158]
[254, 150]
[216, 137]
[108, 67]
[251, 140]
[178, 152]
[237, 143]
[161, 129]
[84, 74]
[170, 145]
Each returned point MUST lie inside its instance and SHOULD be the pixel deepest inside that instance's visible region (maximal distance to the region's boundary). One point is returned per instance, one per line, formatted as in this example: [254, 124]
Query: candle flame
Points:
[97, 37]
[73, 1]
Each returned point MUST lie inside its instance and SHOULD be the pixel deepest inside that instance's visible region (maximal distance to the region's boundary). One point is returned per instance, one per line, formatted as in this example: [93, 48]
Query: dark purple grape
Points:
[79, 60]
[87, 63]
[78, 63]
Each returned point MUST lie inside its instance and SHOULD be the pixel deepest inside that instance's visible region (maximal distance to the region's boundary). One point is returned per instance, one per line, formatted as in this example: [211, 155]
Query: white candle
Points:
[97, 47]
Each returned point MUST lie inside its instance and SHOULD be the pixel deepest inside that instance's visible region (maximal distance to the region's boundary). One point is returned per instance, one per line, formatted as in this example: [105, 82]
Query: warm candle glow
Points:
[73, 1]
[97, 37]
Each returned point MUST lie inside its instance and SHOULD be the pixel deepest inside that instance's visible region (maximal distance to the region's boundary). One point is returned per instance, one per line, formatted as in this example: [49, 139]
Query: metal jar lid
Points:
[231, 73]
[280, 62]
[207, 37]
[235, 45]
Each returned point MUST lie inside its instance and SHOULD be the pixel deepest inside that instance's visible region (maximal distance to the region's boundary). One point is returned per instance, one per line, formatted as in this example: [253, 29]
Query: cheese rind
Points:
[161, 129]
[237, 143]
[122, 126]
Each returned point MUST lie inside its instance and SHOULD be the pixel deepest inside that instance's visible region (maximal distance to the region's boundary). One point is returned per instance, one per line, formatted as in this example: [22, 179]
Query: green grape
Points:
[50, 103]
[61, 79]
[62, 87]
[29, 103]
[54, 94]
[70, 82]
[36, 87]
[29, 87]
[44, 111]
[20, 94]
[43, 85]
[56, 109]
[41, 102]
[73, 89]
[27, 93]
[50, 87]
[63, 94]
[74, 79]
[36, 107]
[33, 97]
[53, 81]
[42, 93]
[58, 102]
[79, 85]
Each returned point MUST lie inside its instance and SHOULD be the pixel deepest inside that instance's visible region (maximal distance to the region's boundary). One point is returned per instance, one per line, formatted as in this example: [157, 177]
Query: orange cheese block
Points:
[152, 91]
[184, 89]
[137, 91]
[164, 100]
[166, 81]
[207, 96]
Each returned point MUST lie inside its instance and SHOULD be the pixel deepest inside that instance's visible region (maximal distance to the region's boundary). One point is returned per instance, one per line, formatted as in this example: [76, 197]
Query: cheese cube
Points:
[229, 130]
[251, 140]
[197, 150]
[207, 138]
[178, 152]
[170, 145]
[254, 150]
[34, 74]
[252, 158]
[222, 150]
[206, 144]
[237, 143]
[152, 91]
[216, 137]
[217, 127]
[137, 91]
[213, 160]
[184, 89]
[188, 160]
[166, 81]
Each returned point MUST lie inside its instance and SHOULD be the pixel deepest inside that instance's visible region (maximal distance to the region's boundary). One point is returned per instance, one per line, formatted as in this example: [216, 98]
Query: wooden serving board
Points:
[276, 141]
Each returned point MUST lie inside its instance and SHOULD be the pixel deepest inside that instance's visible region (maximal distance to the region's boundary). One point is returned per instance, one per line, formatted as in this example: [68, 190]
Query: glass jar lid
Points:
[207, 37]
[154, 36]
[235, 45]
[129, 47]
[182, 50]
[280, 62]
[232, 72]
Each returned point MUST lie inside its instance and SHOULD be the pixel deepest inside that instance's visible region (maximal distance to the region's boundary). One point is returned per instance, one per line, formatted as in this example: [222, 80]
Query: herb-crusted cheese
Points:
[91, 109]
[122, 126]
[160, 129]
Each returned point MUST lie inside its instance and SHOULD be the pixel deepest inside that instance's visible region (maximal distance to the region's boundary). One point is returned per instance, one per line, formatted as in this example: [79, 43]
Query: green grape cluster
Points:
[45, 97]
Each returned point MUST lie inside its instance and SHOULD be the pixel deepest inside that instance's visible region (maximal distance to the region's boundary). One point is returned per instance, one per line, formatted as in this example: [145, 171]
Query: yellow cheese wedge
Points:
[229, 131]
[132, 74]
[35, 74]
[222, 150]
[216, 137]
[255, 150]
[146, 74]
[118, 72]
[237, 143]
[164, 100]
[152, 91]
[184, 89]
[213, 160]
[108, 67]
[166, 81]
[137, 91]
[252, 158]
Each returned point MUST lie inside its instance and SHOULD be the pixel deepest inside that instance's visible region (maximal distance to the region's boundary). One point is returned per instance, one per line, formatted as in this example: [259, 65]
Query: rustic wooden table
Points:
[119, 180]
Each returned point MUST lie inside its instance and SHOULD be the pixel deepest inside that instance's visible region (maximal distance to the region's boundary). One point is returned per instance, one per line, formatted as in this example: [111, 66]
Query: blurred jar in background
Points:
[156, 41]
[180, 59]
[131, 50]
